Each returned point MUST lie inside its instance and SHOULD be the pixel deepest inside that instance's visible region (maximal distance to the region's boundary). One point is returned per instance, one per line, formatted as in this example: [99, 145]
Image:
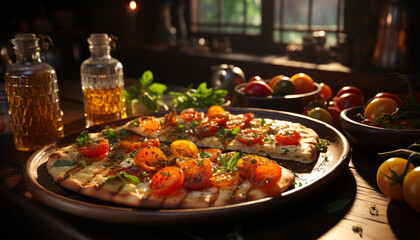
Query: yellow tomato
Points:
[411, 189]
[379, 106]
[384, 173]
[184, 148]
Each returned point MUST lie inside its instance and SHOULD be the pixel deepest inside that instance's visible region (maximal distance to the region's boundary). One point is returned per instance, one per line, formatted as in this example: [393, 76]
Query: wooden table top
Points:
[306, 219]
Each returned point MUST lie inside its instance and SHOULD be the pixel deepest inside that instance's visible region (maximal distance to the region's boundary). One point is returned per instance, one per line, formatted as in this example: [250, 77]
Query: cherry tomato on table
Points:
[303, 83]
[320, 114]
[411, 189]
[390, 96]
[350, 89]
[255, 78]
[383, 175]
[258, 88]
[325, 92]
[274, 79]
[348, 100]
[166, 181]
[379, 106]
[283, 87]
[335, 115]
[94, 148]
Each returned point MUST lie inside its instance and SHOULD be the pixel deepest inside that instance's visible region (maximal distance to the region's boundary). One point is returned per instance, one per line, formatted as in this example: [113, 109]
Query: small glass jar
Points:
[32, 94]
[102, 82]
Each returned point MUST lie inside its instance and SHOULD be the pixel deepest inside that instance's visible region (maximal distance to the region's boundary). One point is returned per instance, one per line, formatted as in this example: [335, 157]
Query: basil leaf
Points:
[110, 135]
[337, 205]
[233, 160]
[146, 78]
[132, 178]
[83, 137]
[64, 163]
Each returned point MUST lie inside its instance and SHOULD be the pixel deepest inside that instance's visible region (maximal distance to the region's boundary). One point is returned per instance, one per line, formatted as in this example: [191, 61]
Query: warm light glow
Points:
[133, 5]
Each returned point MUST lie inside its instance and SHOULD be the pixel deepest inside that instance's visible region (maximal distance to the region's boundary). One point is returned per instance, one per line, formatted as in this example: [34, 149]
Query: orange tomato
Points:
[197, 172]
[215, 111]
[265, 175]
[166, 181]
[148, 158]
[150, 123]
[303, 83]
[223, 178]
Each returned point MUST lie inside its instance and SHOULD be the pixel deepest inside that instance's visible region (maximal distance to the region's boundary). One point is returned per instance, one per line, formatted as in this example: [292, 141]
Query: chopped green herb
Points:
[65, 163]
[358, 229]
[110, 135]
[83, 138]
[233, 160]
[373, 210]
[165, 174]
[263, 122]
[322, 145]
[135, 122]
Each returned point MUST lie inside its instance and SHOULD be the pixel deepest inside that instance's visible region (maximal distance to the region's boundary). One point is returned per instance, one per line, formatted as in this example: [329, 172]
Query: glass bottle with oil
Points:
[32, 94]
[102, 82]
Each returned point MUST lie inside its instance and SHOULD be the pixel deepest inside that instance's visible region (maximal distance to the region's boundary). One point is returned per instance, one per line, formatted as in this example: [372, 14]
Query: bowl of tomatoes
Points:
[385, 122]
[279, 93]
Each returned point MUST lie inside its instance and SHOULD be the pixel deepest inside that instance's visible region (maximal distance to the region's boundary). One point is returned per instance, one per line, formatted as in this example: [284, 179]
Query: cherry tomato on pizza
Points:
[246, 164]
[197, 172]
[265, 175]
[184, 148]
[150, 123]
[223, 177]
[205, 129]
[250, 136]
[215, 111]
[191, 115]
[166, 181]
[134, 142]
[288, 138]
[93, 148]
[149, 158]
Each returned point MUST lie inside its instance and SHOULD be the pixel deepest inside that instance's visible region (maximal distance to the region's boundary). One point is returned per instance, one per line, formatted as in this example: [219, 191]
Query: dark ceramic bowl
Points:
[291, 103]
[374, 137]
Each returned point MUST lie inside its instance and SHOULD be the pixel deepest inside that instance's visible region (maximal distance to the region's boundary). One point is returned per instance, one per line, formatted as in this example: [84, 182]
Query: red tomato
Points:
[325, 92]
[379, 106]
[134, 142]
[166, 180]
[94, 148]
[235, 123]
[288, 138]
[265, 175]
[390, 96]
[335, 115]
[250, 136]
[197, 172]
[303, 83]
[148, 158]
[171, 118]
[221, 119]
[348, 100]
[405, 122]
[191, 115]
[258, 88]
[205, 129]
[255, 78]
[350, 89]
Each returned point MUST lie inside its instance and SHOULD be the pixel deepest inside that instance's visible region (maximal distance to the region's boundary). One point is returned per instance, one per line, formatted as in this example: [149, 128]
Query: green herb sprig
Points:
[202, 97]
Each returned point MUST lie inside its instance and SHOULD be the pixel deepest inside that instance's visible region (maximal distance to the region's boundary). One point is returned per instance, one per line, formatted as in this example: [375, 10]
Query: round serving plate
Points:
[309, 179]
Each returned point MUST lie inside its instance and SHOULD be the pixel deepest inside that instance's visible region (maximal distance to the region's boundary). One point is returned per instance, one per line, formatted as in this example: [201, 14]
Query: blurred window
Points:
[288, 20]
